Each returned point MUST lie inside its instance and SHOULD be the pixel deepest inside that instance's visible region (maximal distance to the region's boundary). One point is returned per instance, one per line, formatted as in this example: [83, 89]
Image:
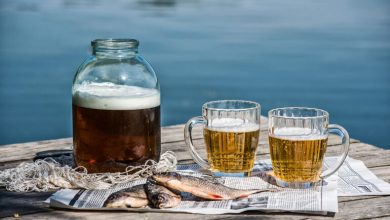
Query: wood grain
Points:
[30, 205]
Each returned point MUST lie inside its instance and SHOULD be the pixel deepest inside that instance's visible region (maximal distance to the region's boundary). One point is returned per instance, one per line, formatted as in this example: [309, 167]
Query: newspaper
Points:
[353, 179]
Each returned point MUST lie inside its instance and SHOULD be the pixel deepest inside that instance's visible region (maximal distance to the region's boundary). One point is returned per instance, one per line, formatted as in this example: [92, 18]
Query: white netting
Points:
[47, 174]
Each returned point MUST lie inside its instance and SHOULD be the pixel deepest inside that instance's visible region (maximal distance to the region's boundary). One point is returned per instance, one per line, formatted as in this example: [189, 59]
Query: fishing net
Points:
[48, 174]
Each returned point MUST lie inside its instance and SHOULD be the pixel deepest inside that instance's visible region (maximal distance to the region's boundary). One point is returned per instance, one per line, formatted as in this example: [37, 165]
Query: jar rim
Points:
[112, 43]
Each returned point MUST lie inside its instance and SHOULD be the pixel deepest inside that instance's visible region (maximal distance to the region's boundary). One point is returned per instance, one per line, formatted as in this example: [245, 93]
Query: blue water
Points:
[332, 54]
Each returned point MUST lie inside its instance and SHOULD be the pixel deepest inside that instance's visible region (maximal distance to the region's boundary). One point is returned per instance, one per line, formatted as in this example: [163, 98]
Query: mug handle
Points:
[340, 131]
[188, 139]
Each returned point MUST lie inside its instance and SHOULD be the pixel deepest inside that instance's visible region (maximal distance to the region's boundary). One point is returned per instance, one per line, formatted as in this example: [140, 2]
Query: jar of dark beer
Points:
[116, 108]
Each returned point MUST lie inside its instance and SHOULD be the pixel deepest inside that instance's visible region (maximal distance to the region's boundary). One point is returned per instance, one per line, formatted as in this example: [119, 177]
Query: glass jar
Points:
[116, 108]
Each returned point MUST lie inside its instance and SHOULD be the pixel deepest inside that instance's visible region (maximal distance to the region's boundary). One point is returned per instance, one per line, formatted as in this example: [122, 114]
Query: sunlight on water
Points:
[331, 54]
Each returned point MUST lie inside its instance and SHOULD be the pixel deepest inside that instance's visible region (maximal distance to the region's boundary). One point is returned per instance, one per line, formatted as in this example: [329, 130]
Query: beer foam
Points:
[232, 125]
[298, 134]
[110, 96]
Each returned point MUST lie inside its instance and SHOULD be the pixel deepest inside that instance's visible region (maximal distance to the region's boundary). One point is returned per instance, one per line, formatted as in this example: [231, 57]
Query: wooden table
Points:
[31, 206]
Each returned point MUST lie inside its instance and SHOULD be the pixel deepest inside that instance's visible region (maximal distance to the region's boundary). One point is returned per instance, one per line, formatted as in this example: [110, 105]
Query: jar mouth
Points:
[115, 44]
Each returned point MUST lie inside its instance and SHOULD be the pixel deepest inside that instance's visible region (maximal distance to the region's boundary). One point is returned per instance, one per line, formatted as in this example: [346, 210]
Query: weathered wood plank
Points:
[17, 153]
[372, 155]
[365, 208]
[172, 139]
[170, 134]
[166, 216]
[382, 172]
[374, 207]
[13, 202]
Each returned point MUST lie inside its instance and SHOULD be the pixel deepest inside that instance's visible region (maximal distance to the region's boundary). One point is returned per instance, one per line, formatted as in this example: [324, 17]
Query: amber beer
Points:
[231, 149]
[297, 158]
[113, 129]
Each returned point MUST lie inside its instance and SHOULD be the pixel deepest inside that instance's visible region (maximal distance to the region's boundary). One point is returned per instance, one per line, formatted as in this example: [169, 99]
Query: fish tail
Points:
[248, 193]
[215, 196]
[243, 196]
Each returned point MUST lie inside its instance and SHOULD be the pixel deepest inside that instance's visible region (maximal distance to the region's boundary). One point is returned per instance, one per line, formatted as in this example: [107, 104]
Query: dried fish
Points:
[200, 187]
[134, 197]
[161, 197]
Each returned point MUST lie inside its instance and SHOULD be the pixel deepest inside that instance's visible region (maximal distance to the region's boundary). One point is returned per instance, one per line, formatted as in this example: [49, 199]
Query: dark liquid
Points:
[111, 140]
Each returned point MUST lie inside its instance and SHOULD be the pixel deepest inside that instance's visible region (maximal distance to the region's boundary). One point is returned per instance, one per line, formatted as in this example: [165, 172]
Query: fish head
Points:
[167, 201]
[164, 178]
[162, 201]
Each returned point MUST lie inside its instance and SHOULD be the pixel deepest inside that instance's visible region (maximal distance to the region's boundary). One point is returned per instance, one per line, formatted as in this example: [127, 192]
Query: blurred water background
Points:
[332, 54]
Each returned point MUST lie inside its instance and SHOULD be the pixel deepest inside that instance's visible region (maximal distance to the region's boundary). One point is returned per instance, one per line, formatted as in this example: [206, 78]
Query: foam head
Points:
[294, 133]
[110, 96]
[232, 125]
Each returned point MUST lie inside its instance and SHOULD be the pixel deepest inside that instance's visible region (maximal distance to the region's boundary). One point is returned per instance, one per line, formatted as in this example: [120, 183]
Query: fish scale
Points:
[134, 197]
[161, 197]
[202, 188]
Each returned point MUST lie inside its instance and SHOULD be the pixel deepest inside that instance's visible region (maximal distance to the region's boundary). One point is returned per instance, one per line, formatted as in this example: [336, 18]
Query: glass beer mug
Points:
[116, 108]
[231, 134]
[298, 140]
